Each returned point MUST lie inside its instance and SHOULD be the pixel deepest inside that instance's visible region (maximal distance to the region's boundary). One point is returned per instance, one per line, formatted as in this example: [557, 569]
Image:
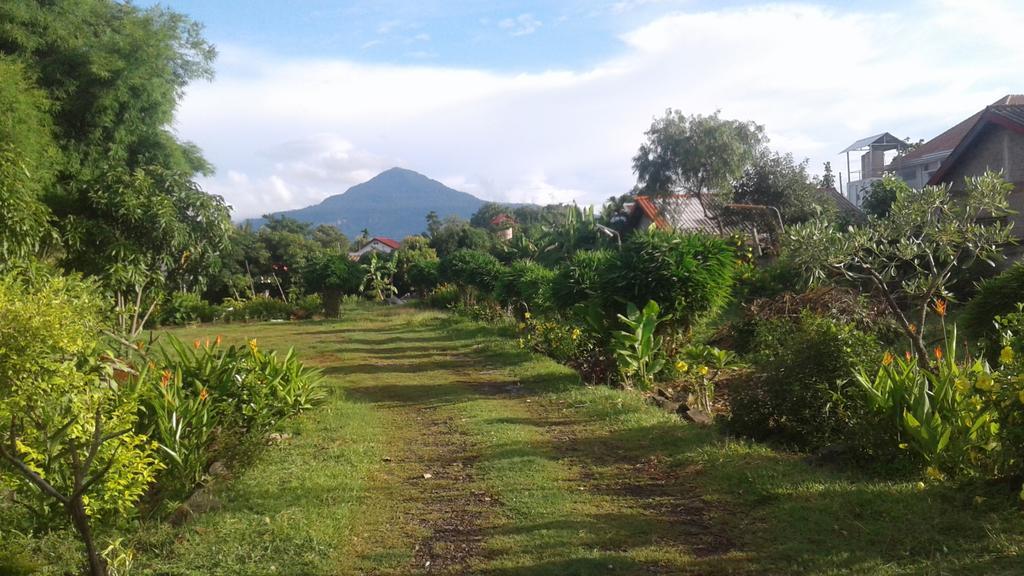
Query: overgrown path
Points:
[444, 449]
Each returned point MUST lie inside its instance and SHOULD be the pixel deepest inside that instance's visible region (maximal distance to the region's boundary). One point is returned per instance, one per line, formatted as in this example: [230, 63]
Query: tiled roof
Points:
[948, 140]
[1009, 115]
[394, 245]
[681, 212]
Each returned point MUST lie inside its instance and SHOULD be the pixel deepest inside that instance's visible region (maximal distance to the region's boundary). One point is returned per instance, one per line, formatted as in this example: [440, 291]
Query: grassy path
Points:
[445, 450]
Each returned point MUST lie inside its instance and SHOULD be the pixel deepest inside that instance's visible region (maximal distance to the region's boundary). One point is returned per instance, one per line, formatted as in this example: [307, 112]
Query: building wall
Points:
[998, 149]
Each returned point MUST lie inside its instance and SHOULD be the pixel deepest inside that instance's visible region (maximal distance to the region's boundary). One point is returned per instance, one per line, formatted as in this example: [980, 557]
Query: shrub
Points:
[638, 348]
[422, 275]
[187, 308]
[527, 284]
[579, 280]
[690, 275]
[205, 400]
[308, 306]
[445, 296]
[415, 267]
[471, 268]
[331, 276]
[801, 394]
[68, 450]
[995, 297]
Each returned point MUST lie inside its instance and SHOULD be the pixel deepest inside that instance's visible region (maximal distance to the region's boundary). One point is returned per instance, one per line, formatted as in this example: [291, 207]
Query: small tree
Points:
[912, 255]
[378, 280]
[67, 437]
[695, 155]
[331, 275]
[882, 193]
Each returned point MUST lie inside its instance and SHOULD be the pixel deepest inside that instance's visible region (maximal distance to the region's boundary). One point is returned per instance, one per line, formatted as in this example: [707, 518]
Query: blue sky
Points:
[547, 101]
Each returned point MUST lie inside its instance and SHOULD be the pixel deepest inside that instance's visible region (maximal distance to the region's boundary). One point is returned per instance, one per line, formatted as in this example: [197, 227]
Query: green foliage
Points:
[416, 266]
[942, 413]
[68, 450]
[471, 268]
[331, 276]
[697, 154]
[914, 254]
[308, 306]
[882, 194]
[996, 296]
[691, 275]
[638, 348]
[378, 277]
[207, 400]
[27, 153]
[801, 393]
[444, 296]
[579, 280]
[704, 365]
[260, 308]
[526, 285]
[187, 308]
[779, 181]
[454, 234]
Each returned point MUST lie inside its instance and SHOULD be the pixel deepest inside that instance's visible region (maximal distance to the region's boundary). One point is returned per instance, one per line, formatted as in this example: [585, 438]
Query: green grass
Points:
[532, 473]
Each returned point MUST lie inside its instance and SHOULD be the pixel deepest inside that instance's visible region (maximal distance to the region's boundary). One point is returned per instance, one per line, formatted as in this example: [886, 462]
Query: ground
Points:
[444, 449]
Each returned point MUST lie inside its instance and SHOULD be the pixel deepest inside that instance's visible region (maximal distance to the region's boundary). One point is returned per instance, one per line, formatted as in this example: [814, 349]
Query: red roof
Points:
[502, 219]
[394, 245]
[950, 139]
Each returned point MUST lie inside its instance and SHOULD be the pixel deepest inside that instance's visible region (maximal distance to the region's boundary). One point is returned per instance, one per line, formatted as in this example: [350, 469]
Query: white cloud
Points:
[522, 25]
[286, 132]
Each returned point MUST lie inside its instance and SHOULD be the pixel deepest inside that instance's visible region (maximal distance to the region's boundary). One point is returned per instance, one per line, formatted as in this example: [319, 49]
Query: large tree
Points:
[777, 180]
[698, 155]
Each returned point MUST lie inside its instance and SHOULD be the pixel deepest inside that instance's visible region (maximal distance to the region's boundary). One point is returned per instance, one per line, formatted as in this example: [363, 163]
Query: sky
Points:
[548, 101]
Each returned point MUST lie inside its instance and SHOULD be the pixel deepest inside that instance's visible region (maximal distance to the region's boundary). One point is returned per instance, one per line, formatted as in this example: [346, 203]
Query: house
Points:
[874, 153]
[503, 224]
[994, 140]
[377, 244]
[848, 211]
[761, 225]
[918, 166]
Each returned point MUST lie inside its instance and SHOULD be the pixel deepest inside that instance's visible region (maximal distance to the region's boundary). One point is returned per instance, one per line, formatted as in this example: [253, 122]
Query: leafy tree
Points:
[455, 234]
[68, 444]
[483, 216]
[27, 153]
[698, 155]
[379, 275]
[330, 238]
[912, 255]
[416, 265]
[882, 193]
[777, 180]
[828, 179]
[332, 275]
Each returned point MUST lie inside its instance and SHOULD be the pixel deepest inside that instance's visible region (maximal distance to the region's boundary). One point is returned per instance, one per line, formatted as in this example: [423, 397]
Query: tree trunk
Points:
[96, 566]
[332, 303]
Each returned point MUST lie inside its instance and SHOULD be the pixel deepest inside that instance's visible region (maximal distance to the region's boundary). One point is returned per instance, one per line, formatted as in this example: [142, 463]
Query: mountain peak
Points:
[394, 203]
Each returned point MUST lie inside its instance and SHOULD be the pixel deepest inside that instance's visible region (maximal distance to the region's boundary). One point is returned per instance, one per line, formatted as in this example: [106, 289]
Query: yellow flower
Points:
[526, 315]
[703, 370]
[963, 384]
[203, 394]
[576, 333]
[984, 381]
[919, 486]
[682, 366]
[252, 345]
[904, 446]
[887, 359]
[1006, 356]
[933, 473]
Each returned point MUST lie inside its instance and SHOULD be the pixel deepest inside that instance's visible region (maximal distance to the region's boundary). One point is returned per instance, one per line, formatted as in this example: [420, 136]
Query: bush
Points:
[445, 296]
[803, 393]
[203, 401]
[527, 284]
[996, 296]
[691, 276]
[471, 268]
[422, 275]
[331, 276]
[579, 280]
[307, 306]
[187, 308]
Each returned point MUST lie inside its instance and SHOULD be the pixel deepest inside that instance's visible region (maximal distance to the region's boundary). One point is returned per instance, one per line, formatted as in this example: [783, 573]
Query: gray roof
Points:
[885, 140]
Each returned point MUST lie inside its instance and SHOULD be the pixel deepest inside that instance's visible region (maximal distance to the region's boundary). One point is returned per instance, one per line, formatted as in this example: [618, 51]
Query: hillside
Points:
[394, 203]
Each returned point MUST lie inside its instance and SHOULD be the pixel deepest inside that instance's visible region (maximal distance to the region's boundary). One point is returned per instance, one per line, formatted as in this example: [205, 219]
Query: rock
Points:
[697, 416]
[278, 437]
[219, 470]
[198, 503]
[665, 403]
[394, 301]
[427, 475]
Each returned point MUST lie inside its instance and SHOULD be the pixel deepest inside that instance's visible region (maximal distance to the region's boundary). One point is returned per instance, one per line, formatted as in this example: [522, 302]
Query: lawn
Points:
[444, 449]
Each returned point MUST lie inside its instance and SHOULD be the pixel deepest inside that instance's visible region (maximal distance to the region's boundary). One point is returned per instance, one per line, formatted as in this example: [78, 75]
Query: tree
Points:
[916, 252]
[331, 275]
[67, 420]
[698, 155]
[776, 180]
[27, 154]
[378, 280]
[882, 193]
[455, 234]
[483, 216]
[330, 238]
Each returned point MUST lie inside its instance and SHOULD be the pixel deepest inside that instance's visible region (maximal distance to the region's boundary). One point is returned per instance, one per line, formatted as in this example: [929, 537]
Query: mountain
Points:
[394, 203]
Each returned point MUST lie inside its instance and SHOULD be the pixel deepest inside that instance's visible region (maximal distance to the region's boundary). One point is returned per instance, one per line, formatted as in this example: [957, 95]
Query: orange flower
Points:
[907, 355]
[938, 353]
[913, 328]
[940, 307]
[196, 344]
[207, 342]
[165, 378]
[203, 394]
[218, 341]
[140, 345]
[887, 359]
